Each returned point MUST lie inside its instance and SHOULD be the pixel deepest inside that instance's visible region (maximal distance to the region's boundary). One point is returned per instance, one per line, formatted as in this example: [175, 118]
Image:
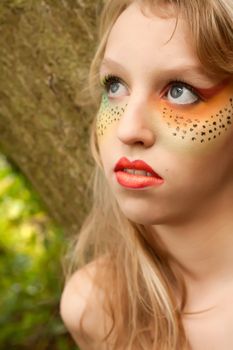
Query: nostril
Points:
[145, 138]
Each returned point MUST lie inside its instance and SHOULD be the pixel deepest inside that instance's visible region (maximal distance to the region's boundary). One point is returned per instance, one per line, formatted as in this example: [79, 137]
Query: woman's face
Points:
[161, 107]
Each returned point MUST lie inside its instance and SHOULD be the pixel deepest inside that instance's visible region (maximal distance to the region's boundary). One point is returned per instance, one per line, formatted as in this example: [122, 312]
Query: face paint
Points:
[108, 114]
[196, 127]
[192, 127]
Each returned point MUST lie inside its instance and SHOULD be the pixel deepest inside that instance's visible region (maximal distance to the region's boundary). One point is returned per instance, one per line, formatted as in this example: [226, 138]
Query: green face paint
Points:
[108, 114]
[193, 128]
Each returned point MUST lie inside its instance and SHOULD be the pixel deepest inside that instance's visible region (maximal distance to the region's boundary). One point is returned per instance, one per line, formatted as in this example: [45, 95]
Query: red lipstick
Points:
[131, 180]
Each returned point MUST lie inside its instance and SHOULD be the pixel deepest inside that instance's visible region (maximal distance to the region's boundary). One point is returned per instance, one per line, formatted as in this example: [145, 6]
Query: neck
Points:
[203, 245]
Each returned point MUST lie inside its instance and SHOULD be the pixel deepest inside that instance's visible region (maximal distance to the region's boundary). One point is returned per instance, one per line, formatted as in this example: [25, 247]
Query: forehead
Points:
[136, 33]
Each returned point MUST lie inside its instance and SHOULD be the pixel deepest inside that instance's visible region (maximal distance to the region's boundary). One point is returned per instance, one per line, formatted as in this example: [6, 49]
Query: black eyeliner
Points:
[108, 79]
[180, 82]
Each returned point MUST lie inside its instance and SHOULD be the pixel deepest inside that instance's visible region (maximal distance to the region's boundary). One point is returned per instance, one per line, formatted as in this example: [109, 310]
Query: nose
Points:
[135, 125]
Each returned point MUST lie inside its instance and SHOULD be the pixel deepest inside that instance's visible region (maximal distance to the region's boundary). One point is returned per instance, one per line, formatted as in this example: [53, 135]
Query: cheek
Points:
[195, 131]
[107, 116]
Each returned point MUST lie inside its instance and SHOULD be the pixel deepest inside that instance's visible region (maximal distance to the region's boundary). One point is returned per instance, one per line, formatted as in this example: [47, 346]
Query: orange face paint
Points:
[197, 124]
[211, 92]
[194, 127]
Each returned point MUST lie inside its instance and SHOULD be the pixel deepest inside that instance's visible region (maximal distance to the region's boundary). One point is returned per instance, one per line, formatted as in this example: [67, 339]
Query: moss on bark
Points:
[46, 49]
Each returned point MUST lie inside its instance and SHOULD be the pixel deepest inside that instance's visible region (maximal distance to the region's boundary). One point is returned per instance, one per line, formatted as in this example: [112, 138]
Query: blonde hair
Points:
[143, 283]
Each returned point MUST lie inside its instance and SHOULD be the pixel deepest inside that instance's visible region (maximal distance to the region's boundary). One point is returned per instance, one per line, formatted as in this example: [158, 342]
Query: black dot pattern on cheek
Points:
[209, 129]
[108, 115]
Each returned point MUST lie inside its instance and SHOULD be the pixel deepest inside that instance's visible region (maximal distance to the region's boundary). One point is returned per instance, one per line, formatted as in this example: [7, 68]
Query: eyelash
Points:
[185, 84]
[109, 79]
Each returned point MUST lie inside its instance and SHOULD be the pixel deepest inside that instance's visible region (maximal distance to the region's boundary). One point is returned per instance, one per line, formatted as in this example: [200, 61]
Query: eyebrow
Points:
[188, 68]
[108, 62]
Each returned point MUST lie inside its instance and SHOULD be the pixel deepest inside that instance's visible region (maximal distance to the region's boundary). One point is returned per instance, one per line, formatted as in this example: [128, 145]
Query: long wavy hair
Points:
[143, 283]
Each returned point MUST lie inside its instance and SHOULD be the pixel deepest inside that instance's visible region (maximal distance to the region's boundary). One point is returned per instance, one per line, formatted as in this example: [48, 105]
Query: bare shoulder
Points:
[83, 299]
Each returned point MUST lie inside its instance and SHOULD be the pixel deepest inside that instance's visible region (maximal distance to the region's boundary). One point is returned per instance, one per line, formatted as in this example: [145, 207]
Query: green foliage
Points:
[31, 250]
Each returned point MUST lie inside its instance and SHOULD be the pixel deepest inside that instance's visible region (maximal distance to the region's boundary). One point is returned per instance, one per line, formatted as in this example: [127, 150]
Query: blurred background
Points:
[31, 250]
[45, 161]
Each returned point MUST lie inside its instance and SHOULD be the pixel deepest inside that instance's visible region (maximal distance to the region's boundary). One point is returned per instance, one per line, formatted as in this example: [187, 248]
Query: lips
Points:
[134, 180]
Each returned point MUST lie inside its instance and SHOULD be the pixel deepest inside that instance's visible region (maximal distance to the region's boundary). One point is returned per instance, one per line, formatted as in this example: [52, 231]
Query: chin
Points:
[141, 214]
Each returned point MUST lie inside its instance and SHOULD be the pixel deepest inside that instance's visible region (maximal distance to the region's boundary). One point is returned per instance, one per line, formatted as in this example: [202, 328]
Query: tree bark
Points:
[46, 49]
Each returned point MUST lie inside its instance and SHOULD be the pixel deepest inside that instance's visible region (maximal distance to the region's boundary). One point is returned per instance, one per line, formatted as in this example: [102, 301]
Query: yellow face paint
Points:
[108, 114]
[195, 127]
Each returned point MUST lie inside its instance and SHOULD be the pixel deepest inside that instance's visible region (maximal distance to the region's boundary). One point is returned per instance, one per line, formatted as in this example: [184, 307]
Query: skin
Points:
[191, 129]
[192, 211]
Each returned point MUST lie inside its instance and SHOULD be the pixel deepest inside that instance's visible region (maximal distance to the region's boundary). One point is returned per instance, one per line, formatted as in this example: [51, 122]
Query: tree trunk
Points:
[46, 49]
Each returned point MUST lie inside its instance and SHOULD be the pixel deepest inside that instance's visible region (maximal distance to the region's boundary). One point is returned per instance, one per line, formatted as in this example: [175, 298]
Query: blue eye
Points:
[181, 93]
[113, 86]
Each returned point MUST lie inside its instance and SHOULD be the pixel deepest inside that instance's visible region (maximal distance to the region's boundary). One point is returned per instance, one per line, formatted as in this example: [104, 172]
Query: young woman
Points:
[154, 258]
